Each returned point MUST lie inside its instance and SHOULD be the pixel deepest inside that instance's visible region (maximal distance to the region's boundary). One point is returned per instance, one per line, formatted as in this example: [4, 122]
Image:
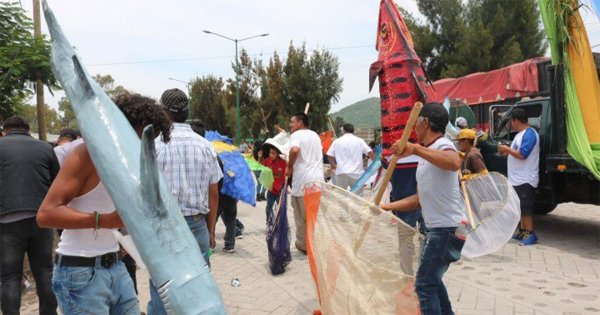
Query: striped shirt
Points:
[189, 165]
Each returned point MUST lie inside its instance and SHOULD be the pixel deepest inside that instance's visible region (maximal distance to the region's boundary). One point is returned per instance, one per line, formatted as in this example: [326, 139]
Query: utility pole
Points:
[39, 85]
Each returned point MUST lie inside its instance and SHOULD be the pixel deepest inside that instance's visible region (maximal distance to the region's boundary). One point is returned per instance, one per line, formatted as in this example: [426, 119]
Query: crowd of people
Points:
[43, 189]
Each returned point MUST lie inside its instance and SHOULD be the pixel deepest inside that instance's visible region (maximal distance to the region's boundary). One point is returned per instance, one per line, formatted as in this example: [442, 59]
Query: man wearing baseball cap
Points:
[473, 160]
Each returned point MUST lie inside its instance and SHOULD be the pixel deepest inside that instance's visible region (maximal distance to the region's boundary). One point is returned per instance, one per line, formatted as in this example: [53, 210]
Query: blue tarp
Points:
[216, 136]
[237, 178]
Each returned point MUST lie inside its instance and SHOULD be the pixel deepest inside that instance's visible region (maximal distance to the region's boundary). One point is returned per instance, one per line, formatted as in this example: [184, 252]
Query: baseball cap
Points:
[466, 134]
[436, 114]
[174, 100]
[461, 122]
[68, 133]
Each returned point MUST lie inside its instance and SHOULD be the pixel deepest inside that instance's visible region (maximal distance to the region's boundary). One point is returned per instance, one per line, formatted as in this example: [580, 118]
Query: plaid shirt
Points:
[189, 164]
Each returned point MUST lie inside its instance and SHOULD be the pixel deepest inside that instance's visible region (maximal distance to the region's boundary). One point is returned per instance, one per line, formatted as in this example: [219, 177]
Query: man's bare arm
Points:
[407, 204]
[54, 212]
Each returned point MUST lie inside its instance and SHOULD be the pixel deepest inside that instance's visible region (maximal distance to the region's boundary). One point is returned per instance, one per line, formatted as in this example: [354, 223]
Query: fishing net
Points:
[278, 238]
[495, 213]
[363, 259]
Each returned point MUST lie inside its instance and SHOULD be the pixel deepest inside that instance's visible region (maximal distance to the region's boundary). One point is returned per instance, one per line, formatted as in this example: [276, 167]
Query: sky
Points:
[142, 44]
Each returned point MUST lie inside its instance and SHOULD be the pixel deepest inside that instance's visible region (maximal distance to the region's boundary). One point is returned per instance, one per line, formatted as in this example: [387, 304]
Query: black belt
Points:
[106, 260]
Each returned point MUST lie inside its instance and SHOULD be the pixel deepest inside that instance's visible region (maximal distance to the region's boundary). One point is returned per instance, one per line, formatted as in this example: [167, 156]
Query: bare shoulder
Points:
[79, 160]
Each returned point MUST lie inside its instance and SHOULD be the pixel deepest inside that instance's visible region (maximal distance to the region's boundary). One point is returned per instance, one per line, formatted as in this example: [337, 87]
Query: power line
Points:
[207, 58]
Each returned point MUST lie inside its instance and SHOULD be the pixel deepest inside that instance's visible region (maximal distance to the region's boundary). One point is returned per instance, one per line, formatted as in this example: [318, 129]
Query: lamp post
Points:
[238, 126]
[187, 84]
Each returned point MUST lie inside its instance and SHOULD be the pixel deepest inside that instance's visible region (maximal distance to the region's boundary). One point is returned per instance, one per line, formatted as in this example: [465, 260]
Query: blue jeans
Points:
[272, 200]
[440, 248]
[95, 290]
[199, 229]
[16, 239]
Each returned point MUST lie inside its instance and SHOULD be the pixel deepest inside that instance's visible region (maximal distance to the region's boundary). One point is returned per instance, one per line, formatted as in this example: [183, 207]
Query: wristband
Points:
[97, 226]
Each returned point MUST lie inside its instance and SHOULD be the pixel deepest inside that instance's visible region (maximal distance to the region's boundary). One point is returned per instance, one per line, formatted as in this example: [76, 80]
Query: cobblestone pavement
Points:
[560, 275]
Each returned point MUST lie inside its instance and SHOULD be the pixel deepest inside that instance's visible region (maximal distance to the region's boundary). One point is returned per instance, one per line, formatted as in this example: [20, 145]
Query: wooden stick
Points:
[264, 119]
[463, 186]
[331, 125]
[414, 114]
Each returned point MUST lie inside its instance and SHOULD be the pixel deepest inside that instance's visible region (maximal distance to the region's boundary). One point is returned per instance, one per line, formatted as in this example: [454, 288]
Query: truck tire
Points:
[543, 208]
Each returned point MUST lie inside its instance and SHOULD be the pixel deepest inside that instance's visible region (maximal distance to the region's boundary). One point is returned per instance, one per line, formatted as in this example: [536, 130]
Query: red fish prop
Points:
[402, 80]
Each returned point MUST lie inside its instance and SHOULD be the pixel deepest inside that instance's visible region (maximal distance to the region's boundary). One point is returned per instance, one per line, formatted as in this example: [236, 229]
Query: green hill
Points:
[362, 114]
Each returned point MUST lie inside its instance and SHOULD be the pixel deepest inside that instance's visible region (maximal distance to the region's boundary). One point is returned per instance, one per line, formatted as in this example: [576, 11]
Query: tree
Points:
[272, 101]
[457, 38]
[29, 113]
[23, 59]
[207, 103]
[515, 28]
[313, 80]
[269, 95]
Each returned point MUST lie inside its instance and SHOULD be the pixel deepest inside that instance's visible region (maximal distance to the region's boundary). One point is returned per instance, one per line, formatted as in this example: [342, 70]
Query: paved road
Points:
[560, 275]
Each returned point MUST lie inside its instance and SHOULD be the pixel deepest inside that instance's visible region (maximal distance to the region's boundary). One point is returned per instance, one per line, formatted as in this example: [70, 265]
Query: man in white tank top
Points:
[89, 276]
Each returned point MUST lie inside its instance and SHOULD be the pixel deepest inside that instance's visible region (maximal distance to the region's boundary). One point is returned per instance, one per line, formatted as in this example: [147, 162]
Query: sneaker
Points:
[229, 250]
[528, 238]
[239, 235]
[518, 235]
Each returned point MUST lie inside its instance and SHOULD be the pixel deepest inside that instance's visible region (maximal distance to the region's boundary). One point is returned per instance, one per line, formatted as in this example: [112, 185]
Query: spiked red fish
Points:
[401, 77]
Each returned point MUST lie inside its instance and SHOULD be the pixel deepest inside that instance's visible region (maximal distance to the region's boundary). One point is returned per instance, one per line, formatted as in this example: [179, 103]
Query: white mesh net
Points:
[365, 259]
[495, 213]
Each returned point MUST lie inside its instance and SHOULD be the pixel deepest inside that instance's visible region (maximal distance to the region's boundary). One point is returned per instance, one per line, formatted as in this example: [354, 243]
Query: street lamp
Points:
[186, 82]
[238, 133]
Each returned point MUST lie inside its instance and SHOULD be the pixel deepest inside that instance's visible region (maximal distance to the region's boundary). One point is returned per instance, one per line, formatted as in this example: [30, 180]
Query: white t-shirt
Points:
[439, 193]
[525, 171]
[309, 164]
[348, 152]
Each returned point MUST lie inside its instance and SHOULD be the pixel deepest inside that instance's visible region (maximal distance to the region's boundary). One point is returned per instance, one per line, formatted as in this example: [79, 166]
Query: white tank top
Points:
[83, 242]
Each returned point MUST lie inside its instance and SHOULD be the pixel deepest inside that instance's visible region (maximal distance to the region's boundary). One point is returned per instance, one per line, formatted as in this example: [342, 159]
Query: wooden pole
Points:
[463, 186]
[414, 114]
[39, 85]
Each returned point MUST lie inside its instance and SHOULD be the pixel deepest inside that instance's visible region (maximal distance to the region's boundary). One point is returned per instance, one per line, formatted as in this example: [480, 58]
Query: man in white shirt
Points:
[346, 158]
[523, 171]
[438, 194]
[305, 165]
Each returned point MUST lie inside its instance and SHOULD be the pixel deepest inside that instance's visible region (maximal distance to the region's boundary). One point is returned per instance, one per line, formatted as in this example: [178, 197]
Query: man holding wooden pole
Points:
[438, 195]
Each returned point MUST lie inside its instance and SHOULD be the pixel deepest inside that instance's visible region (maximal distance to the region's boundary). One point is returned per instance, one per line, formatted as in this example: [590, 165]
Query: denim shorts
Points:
[95, 290]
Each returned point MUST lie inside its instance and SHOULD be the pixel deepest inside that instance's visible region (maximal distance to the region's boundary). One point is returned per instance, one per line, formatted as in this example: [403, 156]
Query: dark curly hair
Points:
[142, 111]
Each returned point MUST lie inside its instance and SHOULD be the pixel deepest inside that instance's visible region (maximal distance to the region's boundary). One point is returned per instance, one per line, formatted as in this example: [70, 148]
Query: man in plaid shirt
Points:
[190, 168]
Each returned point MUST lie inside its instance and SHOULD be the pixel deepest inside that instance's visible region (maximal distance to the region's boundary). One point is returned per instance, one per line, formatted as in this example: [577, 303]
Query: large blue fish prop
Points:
[127, 167]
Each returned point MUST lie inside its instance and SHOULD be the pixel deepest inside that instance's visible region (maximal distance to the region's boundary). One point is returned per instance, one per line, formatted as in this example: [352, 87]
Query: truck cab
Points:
[562, 179]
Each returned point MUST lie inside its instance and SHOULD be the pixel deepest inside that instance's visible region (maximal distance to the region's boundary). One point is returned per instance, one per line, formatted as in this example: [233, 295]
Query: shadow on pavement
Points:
[579, 236]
